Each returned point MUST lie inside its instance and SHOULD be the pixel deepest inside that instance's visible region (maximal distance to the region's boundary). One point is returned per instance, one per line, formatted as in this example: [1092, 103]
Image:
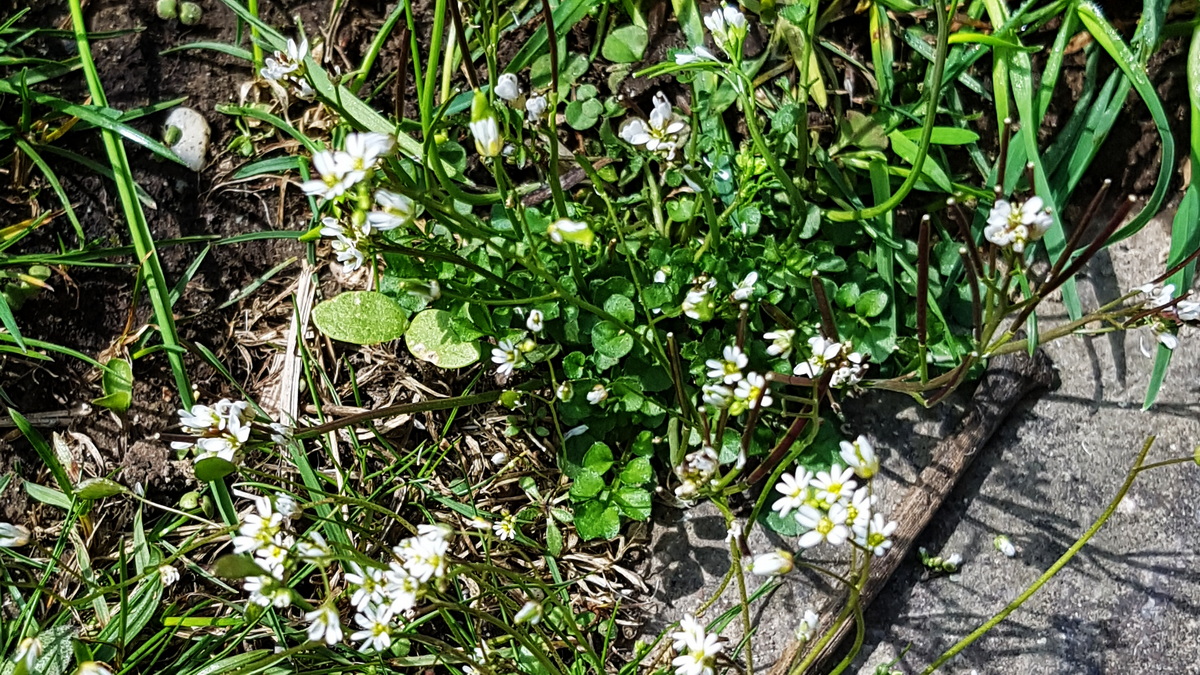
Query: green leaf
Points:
[610, 340]
[908, 152]
[626, 44]
[212, 469]
[621, 308]
[871, 304]
[583, 114]
[637, 472]
[47, 495]
[634, 502]
[944, 136]
[431, 337]
[236, 566]
[554, 538]
[57, 650]
[118, 386]
[98, 488]
[643, 445]
[786, 526]
[573, 365]
[361, 318]
[599, 458]
[594, 520]
[588, 484]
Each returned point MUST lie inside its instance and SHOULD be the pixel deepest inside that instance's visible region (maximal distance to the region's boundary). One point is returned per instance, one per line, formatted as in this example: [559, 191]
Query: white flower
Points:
[858, 510]
[597, 395]
[324, 625]
[13, 536]
[536, 321]
[700, 656]
[849, 371]
[716, 396]
[1016, 226]
[348, 253]
[368, 586]
[1158, 296]
[507, 88]
[823, 526]
[794, 489]
[336, 175]
[749, 388]
[314, 549]
[1188, 310]
[807, 629]
[663, 133]
[530, 612]
[396, 210]
[696, 55]
[286, 506]
[506, 356]
[365, 149]
[1005, 545]
[535, 107]
[425, 555]
[773, 564]
[860, 456]
[400, 589]
[745, 289]
[824, 353]
[690, 632]
[93, 668]
[376, 633]
[167, 575]
[833, 485]
[266, 591]
[488, 141]
[506, 527]
[573, 231]
[876, 540]
[283, 64]
[728, 369]
[258, 529]
[28, 652]
[781, 342]
[499, 458]
[728, 26]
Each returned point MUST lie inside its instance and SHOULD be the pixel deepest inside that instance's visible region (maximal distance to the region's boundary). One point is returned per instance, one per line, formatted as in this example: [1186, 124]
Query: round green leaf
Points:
[431, 337]
[595, 520]
[634, 502]
[610, 340]
[625, 45]
[637, 472]
[361, 318]
[212, 469]
[871, 304]
[98, 488]
[599, 458]
[587, 484]
[583, 114]
[621, 308]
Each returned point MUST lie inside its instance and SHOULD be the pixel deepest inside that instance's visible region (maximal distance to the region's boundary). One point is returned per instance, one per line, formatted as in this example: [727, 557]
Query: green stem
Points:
[935, 87]
[1054, 569]
[252, 6]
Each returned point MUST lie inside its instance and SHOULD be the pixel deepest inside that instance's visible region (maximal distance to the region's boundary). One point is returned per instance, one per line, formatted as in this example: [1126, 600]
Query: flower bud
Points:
[190, 13]
[484, 127]
[573, 231]
[166, 9]
[13, 536]
[773, 564]
[530, 612]
[507, 88]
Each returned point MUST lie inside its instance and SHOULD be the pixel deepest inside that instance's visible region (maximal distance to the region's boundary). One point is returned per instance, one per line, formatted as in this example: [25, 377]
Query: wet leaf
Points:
[361, 318]
[431, 337]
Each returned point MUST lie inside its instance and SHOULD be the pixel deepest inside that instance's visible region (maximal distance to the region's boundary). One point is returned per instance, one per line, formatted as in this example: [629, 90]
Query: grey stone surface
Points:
[1128, 603]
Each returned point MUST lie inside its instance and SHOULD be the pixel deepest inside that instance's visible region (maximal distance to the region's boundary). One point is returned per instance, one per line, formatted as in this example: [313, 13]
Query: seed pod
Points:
[166, 9]
[190, 13]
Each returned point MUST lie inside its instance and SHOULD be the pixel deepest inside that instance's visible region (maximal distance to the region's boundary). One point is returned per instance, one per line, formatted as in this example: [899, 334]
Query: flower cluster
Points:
[833, 507]
[739, 391]
[698, 469]
[1168, 313]
[266, 536]
[665, 132]
[287, 67]
[848, 366]
[699, 303]
[221, 429]
[382, 596]
[340, 170]
[1015, 225]
[728, 27]
[698, 649]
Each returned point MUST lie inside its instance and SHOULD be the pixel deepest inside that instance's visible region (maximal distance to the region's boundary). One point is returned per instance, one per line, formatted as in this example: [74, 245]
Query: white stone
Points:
[194, 133]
